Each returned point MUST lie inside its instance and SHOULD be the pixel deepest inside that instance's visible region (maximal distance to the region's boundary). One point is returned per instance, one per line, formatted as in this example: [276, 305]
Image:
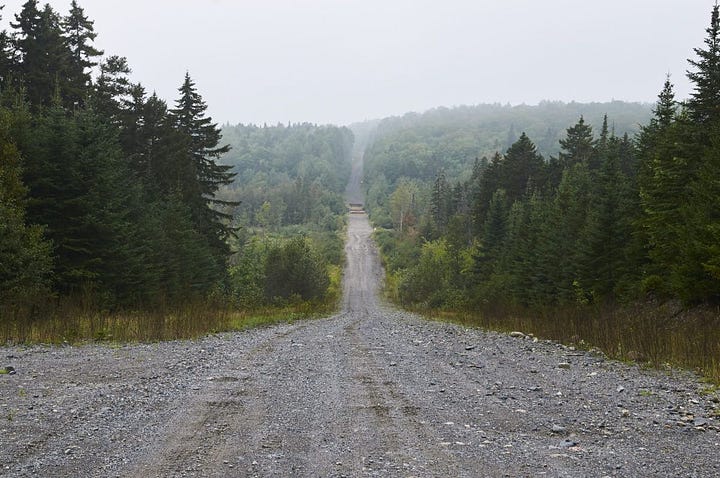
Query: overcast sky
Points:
[340, 61]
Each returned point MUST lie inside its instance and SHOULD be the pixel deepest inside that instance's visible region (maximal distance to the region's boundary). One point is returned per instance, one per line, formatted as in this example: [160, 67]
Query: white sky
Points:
[339, 61]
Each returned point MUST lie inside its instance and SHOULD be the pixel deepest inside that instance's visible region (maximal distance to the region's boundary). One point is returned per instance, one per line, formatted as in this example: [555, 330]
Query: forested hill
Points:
[296, 172]
[594, 216]
[419, 145]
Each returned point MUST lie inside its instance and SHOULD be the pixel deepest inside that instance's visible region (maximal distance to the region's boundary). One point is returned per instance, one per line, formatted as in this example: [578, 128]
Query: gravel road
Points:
[369, 392]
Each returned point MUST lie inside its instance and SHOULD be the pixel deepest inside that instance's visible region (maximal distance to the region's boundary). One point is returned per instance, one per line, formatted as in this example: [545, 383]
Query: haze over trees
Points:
[615, 215]
[113, 199]
[290, 181]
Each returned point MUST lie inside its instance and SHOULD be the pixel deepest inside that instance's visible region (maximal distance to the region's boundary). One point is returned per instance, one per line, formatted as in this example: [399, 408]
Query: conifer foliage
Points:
[609, 219]
[105, 193]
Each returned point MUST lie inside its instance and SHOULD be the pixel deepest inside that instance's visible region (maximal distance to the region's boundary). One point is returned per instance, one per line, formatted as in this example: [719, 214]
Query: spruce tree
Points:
[604, 244]
[704, 102]
[440, 203]
[43, 54]
[25, 260]
[204, 150]
[80, 34]
[522, 169]
[112, 89]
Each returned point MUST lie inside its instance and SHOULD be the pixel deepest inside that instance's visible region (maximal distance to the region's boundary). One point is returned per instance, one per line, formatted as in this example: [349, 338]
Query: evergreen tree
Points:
[666, 173]
[488, 182]
[25, 261]
[80, 34]
[441, 202]
[566, 221]
[704, 103]
[7, 57]
[112, 89]
[204, 150]
[697, 276]
[43, 54]
[578, 146]
[607, 238]
[522, 169]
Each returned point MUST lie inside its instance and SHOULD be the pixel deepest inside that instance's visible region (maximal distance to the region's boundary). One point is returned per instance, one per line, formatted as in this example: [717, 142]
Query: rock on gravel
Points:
[370, 392]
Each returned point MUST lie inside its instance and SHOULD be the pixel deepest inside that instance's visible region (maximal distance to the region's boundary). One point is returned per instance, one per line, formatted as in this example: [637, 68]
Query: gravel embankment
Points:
[370, 392]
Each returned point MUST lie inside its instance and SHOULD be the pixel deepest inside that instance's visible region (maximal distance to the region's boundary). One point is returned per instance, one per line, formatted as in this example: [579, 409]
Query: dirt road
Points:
[370, 392]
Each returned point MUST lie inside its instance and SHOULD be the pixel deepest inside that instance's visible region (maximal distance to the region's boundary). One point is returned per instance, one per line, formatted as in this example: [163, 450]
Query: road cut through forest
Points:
[371, 391]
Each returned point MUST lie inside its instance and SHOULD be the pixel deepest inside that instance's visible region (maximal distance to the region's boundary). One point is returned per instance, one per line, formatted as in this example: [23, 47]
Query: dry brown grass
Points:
[658, 335]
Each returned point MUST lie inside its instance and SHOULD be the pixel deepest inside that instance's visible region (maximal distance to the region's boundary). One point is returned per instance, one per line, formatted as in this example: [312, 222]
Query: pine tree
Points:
[440, 203]
[43, 53]
[80, 34]
[112, 89]
[704, 103]
[522, 169]
[204, 151]
[25, 260]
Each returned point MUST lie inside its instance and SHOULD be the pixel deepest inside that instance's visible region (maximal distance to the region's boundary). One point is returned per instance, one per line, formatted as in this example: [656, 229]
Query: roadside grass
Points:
[74, 323]
[187, 323]
[659, 335]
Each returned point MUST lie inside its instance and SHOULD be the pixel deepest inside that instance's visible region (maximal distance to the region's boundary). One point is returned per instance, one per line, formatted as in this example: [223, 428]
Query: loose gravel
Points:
[370, 392]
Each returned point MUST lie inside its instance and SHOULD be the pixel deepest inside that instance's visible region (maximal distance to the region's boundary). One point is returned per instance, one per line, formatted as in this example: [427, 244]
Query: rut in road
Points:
[317, 399]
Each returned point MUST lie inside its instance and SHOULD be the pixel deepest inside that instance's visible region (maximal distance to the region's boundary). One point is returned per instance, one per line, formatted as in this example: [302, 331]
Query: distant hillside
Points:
[288, 175]
[418, 145]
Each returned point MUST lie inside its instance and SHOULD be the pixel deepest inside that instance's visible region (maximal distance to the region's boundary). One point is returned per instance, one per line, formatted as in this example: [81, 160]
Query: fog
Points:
[340, 61]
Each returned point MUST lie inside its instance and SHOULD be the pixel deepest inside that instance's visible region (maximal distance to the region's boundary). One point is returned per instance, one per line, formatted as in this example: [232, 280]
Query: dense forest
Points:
[416, 147]
[113, 191]
[111, 199]
[610, 217]
[291, 212]
[288, 175]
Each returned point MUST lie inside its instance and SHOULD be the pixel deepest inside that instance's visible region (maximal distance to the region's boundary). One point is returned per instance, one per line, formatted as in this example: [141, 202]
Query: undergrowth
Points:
[75, 323]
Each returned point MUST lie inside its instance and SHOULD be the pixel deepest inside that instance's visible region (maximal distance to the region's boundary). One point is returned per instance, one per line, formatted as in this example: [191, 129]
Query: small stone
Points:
[625, 412]
[516, 334]
[700, 422]
[9, 370]
[620, 389]
[557, 429]
[470, 347]
[564, 365]
[567, 443]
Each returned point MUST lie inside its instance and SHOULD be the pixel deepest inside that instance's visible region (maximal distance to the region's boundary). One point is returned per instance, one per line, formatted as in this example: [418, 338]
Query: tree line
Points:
[609, 219]
[288, 175]
[291, 217]
[108, 195]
